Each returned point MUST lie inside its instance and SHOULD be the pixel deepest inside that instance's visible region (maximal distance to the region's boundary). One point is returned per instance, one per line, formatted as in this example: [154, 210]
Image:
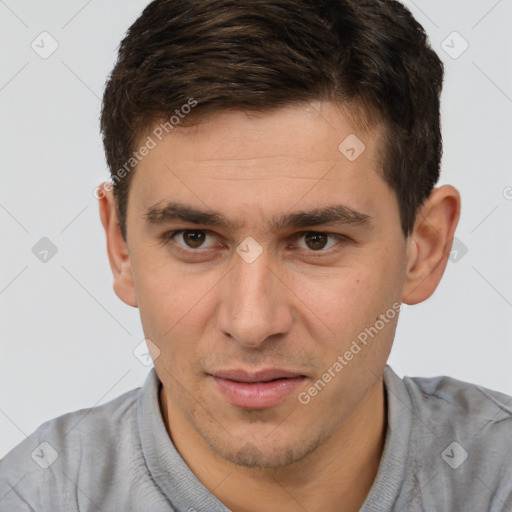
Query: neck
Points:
[340, 471]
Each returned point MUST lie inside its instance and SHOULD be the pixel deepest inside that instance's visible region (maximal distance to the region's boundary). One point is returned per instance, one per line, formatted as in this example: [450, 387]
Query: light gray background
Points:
[67, 342]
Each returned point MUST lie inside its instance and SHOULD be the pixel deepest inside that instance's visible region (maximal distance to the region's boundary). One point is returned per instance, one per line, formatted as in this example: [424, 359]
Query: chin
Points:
[265, 454]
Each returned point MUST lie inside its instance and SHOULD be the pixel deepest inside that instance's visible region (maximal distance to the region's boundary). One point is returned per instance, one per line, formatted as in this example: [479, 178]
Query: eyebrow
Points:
[339, 214]
[171, 212]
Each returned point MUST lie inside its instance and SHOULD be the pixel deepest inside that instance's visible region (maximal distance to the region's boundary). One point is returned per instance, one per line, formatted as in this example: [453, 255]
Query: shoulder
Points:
[461, 407]
[53, 456]
[459, 447]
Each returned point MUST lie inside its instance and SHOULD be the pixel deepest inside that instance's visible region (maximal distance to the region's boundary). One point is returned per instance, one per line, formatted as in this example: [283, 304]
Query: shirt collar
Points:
[169, 471]
[185, 492]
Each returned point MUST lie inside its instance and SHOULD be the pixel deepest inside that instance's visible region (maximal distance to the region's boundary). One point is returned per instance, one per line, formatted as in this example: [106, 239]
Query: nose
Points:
[255, 303]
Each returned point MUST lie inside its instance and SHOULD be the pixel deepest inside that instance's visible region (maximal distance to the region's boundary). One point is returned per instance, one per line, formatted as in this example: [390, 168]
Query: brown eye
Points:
[316, 241]
[194, 239]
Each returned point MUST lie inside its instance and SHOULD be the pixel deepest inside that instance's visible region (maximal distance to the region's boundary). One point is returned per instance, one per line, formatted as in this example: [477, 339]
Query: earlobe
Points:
[430, 242]
[117, 249]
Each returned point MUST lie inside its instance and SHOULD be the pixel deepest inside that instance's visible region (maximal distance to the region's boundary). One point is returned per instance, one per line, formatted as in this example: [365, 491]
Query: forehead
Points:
[310, 154]
[307, 132]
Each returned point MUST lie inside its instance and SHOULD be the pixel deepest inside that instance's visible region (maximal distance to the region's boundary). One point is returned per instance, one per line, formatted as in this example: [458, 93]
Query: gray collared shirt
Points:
[448, 448]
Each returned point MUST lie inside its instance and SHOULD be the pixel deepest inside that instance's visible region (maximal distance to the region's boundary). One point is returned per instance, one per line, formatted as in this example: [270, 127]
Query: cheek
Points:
[173, 304]
[347, 300]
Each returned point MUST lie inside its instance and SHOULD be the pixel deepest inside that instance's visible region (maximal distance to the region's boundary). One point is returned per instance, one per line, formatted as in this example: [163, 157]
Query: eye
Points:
[315, 241]
[193, 239]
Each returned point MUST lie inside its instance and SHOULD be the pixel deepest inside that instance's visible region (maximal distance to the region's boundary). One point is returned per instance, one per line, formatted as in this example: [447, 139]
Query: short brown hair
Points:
[264, 54]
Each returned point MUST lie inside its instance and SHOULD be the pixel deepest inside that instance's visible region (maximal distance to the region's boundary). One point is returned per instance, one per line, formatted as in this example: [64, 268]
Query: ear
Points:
[116, 246]
[429, 244]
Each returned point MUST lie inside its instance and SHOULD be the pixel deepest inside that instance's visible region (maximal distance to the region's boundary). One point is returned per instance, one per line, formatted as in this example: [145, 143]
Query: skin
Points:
[294, 307]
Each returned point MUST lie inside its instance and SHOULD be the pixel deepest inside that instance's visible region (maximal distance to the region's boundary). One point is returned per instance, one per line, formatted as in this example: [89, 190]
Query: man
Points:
[272, 206]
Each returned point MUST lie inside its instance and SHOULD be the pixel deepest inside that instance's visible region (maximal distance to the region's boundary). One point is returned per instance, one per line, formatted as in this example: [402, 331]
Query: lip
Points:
[261, 389]
[257, 376]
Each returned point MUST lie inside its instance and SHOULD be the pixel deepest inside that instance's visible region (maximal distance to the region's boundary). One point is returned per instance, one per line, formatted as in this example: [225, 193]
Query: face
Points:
[261, 257]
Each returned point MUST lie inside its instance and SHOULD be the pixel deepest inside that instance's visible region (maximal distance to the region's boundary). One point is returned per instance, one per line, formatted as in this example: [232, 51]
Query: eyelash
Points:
[168, 238]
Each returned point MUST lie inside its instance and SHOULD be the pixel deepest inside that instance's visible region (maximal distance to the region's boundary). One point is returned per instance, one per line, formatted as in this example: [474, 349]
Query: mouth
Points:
[257, 390]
